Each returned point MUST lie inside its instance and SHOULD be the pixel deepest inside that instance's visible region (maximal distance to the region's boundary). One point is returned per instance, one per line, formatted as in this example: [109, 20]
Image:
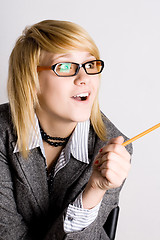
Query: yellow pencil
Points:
[141, 135]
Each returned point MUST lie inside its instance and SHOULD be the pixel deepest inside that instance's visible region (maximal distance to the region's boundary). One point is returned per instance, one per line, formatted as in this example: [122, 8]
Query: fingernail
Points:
[101, 150]
[96, 162]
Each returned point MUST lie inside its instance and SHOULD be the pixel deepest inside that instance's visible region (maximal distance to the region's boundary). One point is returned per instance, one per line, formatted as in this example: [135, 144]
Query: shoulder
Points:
[113, 132]
[7, 135]
[5, 115]
[111, 129]
[6, 126]
[4, 108]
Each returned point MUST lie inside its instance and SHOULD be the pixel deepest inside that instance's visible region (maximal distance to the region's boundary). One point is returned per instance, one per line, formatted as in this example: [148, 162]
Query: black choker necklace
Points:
[47, 138]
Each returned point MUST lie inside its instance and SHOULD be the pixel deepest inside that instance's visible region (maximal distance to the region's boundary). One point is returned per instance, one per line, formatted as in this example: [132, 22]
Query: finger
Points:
[97, 161]
[117, 140]
[113, 142]
[119, 159]
[120, 172]
[112, 177]
[116, 161]
[117, 149]
[122, 161]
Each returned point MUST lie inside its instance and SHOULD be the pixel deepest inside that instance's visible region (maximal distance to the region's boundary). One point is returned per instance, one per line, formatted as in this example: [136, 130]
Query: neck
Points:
[53, 126]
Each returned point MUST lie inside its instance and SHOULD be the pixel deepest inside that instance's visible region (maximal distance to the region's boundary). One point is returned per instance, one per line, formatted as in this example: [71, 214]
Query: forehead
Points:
[49, 58]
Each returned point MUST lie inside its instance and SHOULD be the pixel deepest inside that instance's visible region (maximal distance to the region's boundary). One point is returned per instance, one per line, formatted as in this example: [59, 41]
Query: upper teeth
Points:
[82, 95]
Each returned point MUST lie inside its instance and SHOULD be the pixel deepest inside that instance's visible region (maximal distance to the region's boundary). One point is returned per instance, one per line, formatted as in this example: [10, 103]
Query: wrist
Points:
[92, 196]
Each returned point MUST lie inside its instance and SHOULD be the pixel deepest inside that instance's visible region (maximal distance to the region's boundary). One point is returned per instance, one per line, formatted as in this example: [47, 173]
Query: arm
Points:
[77, 218]
[110, 170]
[97, 190]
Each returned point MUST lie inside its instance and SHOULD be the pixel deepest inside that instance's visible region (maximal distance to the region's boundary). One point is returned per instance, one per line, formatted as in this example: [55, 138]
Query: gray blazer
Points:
[26, 212]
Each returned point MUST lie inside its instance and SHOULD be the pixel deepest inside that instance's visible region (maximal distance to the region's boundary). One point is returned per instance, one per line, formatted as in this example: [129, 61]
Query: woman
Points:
[62, 161]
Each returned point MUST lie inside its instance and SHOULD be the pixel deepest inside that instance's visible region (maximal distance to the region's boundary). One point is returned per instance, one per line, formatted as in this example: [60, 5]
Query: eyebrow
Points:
[68, 55]
[61, 56]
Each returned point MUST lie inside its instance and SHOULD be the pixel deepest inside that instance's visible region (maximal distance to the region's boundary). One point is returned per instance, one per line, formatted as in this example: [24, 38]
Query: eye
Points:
[63, 67]
[90, 65]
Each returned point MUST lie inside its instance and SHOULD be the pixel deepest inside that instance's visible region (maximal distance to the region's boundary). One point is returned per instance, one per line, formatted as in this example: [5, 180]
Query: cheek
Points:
[52, 89]
[47, 84]
[46, 94]
[96, 84]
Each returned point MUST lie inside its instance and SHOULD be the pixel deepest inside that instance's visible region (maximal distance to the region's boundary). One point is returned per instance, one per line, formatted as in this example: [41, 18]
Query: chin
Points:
[81, 117]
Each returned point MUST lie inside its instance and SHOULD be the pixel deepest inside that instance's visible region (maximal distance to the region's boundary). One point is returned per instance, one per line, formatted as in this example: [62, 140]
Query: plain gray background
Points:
[128, 36]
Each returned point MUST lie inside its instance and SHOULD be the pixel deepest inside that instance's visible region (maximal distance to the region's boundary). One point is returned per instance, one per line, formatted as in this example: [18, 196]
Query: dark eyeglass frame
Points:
[53, 67]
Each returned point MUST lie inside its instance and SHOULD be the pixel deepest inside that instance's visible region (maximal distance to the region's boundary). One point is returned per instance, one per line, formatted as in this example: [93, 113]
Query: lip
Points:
[82, 92]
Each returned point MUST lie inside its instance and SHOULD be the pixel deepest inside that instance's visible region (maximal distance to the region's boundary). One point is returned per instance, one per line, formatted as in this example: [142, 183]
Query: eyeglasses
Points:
[69, 69]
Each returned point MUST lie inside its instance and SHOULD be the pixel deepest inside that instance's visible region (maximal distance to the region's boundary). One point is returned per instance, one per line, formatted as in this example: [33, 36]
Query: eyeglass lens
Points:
[70, 69]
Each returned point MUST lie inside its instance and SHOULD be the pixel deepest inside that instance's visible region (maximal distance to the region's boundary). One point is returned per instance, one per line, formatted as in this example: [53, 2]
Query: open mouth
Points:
[81, 97]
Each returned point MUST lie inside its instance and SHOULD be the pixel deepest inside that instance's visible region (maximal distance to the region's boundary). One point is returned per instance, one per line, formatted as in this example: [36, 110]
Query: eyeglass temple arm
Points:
[41, 68]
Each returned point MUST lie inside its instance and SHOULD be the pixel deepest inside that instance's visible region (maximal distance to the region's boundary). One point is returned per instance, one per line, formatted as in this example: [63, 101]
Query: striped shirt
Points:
[77, 218]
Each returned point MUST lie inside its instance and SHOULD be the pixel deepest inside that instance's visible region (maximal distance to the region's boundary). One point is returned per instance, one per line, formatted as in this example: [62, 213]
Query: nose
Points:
[81, 78]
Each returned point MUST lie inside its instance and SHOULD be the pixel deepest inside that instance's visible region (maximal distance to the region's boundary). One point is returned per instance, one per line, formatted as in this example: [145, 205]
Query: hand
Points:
[110, 169]
[111, 165]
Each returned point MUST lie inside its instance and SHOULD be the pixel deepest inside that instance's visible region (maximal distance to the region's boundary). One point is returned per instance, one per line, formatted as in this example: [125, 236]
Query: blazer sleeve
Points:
[95, 230]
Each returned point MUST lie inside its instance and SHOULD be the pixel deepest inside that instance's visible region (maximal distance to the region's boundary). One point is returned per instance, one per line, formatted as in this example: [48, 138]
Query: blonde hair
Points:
[23, 84]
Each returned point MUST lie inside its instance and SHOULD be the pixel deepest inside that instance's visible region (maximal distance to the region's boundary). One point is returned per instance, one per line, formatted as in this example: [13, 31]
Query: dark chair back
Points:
[110, 225]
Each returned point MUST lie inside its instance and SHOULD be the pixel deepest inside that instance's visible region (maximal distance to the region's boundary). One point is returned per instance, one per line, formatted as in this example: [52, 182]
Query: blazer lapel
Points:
[34, 171]
[72, 178]
[66, 186]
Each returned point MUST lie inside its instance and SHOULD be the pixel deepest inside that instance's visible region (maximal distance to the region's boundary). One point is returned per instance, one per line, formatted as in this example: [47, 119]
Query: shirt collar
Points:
[77, 144]
[35, 139]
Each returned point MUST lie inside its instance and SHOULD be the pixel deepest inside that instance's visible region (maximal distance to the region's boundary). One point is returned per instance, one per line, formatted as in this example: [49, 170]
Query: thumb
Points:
[117, 140]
